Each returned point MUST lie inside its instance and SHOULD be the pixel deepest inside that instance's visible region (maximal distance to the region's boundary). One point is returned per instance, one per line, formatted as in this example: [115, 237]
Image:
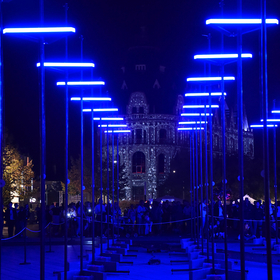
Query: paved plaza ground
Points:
[13, 255]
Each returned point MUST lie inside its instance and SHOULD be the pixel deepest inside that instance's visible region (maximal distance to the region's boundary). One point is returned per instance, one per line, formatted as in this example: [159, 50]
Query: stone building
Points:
[153, 111]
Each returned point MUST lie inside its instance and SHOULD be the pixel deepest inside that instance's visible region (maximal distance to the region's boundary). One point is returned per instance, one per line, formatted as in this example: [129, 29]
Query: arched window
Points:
[145, 137]
[162, 136]
[141, 110]
[138, 136]
[134, 110]
[138, 163]
[161, 163]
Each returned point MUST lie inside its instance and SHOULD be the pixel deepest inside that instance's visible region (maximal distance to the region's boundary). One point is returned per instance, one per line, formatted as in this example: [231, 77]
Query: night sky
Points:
[109, 28]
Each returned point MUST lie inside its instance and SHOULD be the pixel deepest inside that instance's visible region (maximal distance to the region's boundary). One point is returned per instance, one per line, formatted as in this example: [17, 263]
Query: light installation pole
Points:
[210, 80]
[275, 170]
[198, 108]
[102, 119]
[221, 60]
[274, 126]
[81, 85]
[205, 95]
[42, 35]
[193, 164]
[58, 66]
[114, 131]
[237, 27]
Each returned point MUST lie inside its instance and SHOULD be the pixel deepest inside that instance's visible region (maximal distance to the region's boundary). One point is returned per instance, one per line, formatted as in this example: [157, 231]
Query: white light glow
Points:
[113, 125]
[222, 56]
[82, 83]
[240, 21]
[201, 94]
[66, 64]
[106, 110]
[275, 112]
[194, 114]
[192, 122]
[210, 79]
[91, 98]
[271, 120]
[190, 128]
[199, 106]
[261, 125]
[117, 131]
[39, 30]
[108, 119]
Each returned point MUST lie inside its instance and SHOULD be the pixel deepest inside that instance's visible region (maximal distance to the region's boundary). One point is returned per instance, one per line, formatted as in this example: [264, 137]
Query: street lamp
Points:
[40, 34]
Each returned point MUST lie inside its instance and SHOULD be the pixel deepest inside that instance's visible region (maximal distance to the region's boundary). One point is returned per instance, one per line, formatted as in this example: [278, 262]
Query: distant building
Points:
[152, 114]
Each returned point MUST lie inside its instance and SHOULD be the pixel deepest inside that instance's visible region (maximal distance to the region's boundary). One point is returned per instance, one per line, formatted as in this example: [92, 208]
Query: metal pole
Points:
[66, 149]
[240, 144]
[118, 183]
[113, 187]
[275, 181]
[194, 183]
[92, 179]
[224, 149]
[191, 185]
[275, 176]
[211, 163]
[108, 186]
[265, 138]
[43, 146]
[1, 138]
[24, 263]
[201, 182]
[197, 187]
[82, 170]
[206, 176]
[101, 190]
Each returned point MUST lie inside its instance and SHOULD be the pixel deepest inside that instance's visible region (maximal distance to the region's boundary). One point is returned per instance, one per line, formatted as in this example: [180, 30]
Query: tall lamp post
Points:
[237, 27]
[42, 35]
[274, 126]
[210, 81]
[58, 66]
[82, 84]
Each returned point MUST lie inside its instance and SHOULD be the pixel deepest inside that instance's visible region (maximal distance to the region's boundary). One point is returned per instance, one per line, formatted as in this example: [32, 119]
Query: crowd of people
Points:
[144, 218]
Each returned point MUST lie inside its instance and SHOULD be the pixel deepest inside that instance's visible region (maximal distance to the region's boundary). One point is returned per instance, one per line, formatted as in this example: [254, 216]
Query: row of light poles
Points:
[232, 28]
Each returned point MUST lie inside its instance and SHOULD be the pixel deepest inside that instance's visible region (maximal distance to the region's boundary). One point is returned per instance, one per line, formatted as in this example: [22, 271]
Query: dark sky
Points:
[109, 28]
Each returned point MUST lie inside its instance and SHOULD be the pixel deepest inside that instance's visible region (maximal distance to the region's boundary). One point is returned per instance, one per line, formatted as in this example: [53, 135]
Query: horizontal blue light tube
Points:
[91, 98]
[210, 79]
[39, 30]
[66, 64]
[222, 56]
[82, 83]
